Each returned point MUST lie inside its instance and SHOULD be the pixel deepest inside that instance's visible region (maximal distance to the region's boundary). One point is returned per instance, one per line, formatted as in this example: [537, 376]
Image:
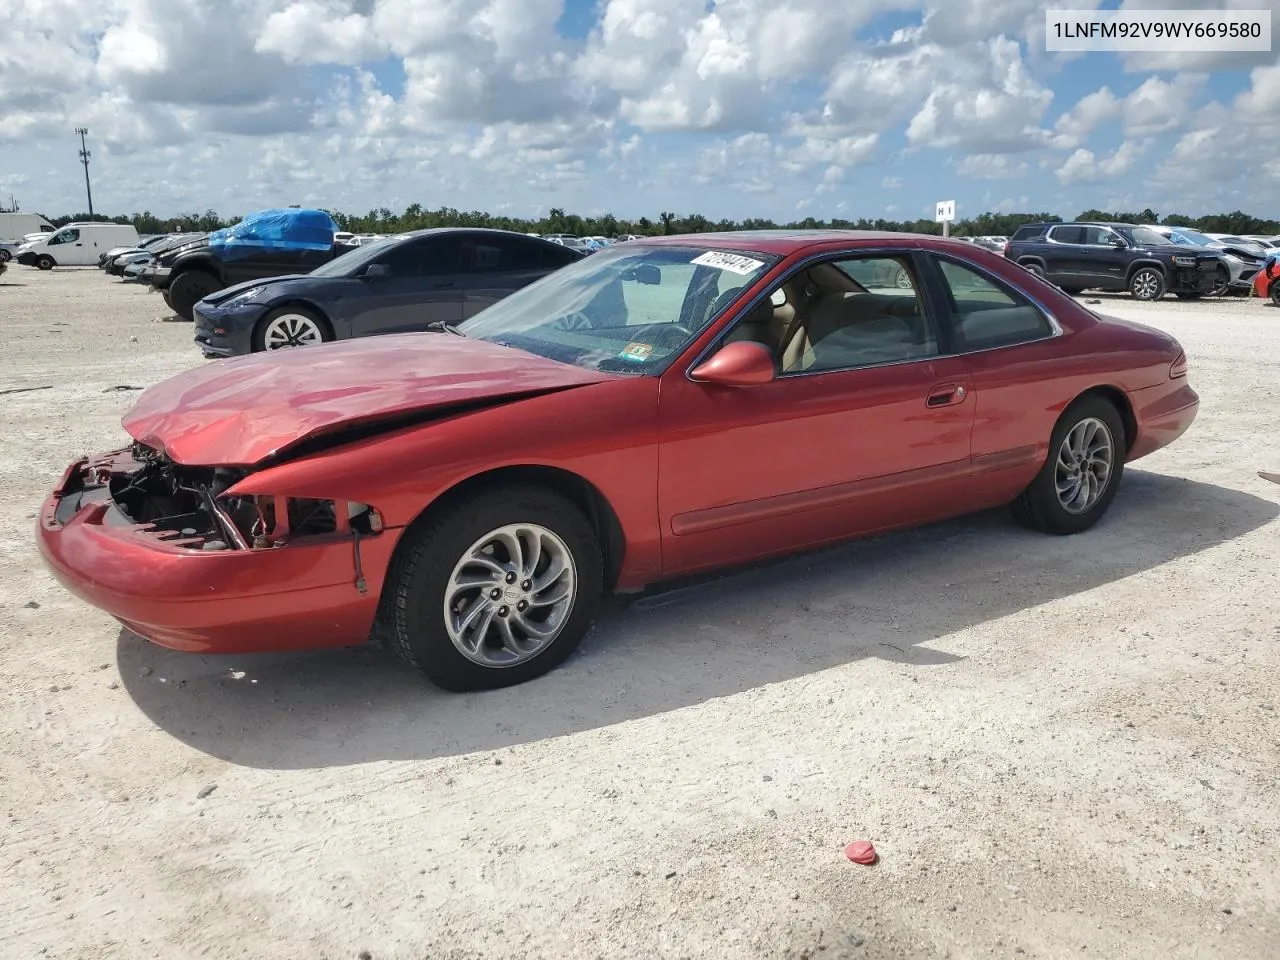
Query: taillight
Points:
[1179, 367]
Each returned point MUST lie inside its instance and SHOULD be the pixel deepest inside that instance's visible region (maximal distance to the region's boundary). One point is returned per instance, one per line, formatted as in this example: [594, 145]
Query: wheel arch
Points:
[1137, 265]
[1026, 260]
[577, 489]
[1118, 399]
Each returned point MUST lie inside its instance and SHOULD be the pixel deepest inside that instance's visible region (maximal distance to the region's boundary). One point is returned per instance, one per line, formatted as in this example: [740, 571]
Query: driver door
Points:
[425, 285]
[868, 426]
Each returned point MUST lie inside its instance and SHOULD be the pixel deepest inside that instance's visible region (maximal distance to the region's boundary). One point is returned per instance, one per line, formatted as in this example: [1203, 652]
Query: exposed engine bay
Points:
[185, 506]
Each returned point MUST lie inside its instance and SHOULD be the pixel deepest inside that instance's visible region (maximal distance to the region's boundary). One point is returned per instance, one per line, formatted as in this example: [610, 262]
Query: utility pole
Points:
[84, 158]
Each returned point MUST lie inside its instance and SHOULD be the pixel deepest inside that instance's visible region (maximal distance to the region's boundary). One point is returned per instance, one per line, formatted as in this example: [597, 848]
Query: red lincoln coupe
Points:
[664, 406]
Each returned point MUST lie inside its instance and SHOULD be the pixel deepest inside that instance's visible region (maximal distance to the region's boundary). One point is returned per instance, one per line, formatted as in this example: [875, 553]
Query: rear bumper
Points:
[1163, 414]
[237, 601]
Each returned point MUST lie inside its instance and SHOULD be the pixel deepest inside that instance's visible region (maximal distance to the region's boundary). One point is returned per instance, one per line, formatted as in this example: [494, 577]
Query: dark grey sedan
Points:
[394, 285]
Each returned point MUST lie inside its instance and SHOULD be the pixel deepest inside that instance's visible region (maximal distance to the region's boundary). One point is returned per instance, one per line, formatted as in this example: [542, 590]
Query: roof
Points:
[786, 242]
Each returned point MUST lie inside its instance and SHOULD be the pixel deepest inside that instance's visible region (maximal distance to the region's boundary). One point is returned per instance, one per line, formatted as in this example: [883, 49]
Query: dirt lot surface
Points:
[1060, 747]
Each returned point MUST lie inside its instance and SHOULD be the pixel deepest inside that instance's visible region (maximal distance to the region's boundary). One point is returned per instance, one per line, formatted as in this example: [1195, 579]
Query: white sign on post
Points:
[946, 213]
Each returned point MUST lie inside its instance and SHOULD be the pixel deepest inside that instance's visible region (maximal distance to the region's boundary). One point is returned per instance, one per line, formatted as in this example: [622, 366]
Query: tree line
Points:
[416, 217]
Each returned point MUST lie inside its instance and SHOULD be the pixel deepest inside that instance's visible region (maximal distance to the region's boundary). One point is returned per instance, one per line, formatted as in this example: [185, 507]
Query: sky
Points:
[729, 108]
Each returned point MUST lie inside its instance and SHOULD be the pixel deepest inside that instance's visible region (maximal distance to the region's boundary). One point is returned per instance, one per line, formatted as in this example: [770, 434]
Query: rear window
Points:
[1068, 234]
[1027, 233]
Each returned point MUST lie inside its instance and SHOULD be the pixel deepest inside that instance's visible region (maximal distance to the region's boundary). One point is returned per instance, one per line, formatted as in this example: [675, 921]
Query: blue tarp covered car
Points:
[288, 229]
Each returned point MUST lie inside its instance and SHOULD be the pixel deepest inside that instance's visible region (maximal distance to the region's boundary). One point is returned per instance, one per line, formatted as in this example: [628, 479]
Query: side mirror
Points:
[376, 271]
[743, 363]
[1118, 243]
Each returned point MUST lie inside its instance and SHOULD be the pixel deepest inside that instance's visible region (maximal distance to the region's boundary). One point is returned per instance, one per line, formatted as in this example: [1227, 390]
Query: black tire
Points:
[1035, 268]
[1142, 287]
[1072, 291]
[413, 597]
[45, 262]
[260, 330]
[165, 294]
[1223, 285]
[4, 255]
[189, 288]
[1275, 292]
[1038, 507]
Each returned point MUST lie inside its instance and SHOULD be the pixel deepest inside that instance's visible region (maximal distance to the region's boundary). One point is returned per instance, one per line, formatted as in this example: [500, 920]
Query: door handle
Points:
[946, 394]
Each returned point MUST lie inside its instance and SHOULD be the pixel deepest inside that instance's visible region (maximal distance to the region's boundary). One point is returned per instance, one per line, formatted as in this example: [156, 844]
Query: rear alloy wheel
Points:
[4, 255]
[496, 591]
[45, 262]
[902, 280]
[1035, 268]
[188, 289]
[290, 327]
[1147, 283]
[1079, 479]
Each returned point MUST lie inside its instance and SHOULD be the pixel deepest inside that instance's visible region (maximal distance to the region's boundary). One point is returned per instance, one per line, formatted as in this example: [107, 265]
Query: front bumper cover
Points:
[299, 596]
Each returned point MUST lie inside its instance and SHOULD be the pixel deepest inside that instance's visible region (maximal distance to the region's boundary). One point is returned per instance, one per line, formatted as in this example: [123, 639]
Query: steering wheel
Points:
[663, 333]
[572, 321]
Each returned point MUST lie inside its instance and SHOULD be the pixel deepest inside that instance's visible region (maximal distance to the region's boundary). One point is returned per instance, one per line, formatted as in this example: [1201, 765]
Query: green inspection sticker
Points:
[639, 352]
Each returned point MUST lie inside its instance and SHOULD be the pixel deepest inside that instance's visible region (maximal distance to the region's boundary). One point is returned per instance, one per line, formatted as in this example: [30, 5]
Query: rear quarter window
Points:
[1027, 233]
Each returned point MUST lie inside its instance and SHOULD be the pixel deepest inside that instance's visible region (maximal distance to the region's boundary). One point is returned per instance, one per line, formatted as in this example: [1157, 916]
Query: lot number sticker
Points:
[729, 261]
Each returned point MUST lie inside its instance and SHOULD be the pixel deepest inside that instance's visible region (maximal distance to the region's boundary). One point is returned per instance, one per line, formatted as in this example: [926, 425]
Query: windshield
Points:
[1192, 238]
[350, 263]
[626, 309]
[1145, 237]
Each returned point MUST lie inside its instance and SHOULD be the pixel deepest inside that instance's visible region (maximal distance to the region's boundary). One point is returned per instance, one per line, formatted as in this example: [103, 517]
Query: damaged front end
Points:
[187, 507]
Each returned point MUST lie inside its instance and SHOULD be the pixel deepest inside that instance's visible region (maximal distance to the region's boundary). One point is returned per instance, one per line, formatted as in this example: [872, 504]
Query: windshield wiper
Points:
[442, 326]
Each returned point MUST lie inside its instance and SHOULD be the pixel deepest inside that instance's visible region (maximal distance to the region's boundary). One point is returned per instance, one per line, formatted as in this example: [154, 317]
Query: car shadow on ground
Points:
[895, 597]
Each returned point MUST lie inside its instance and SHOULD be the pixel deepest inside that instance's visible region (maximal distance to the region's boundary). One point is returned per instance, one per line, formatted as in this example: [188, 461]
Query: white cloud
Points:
[992, 166]
[1077, 124]
[1083, 166]
[1158, 106]
[747, 106]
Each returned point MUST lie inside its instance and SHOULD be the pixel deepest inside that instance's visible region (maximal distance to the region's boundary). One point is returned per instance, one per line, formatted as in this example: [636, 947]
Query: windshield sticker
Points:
[639, 352]
[729, 261]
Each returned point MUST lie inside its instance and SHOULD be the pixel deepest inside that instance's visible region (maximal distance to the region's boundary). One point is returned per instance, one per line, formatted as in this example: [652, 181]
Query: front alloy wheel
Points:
[510, 595]
[493, 590]
[291, 330]
[1147, 283]
[290, 327]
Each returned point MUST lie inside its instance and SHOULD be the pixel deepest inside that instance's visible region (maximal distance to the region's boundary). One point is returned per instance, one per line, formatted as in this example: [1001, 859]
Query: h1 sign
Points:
[946, 211]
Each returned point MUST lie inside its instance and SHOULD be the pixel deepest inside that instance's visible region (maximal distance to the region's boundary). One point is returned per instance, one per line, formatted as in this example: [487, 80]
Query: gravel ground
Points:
[1060, 747]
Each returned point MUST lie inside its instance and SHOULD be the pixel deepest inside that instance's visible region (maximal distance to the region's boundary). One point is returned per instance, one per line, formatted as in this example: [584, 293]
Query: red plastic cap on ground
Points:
[861, 851]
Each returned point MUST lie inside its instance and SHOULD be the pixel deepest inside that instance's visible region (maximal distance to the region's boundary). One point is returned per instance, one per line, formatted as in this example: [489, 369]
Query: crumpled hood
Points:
[226, 293]
[239, 411]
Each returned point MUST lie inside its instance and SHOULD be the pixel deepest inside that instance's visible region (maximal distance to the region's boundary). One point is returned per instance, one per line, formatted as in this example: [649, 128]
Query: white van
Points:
[76, 245]
[15, 225]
